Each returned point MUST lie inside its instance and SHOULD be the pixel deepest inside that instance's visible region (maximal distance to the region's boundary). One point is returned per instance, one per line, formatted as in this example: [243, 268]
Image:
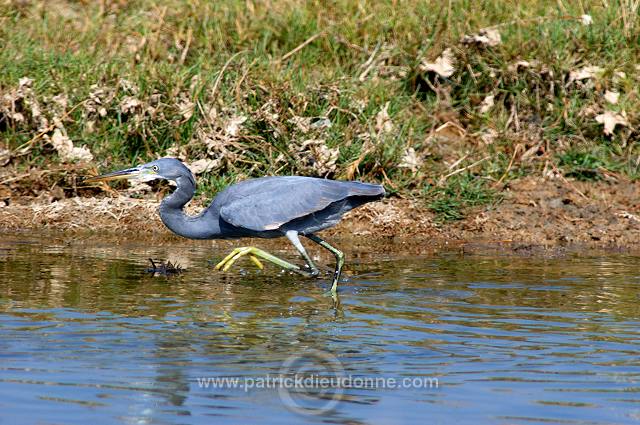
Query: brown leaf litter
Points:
[611, 119]
[544, 212]
[444, 65]
[489, 37]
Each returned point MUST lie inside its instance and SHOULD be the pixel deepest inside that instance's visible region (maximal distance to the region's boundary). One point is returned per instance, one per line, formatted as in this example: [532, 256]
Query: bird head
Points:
[163, 168]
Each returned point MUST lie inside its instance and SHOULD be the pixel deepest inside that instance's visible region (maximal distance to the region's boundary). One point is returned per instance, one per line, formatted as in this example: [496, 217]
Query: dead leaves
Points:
[318, 157]
[444, 65]
[487, 37]
[487, 104]
[611, 97]
[130, 105]
[384, 125]
[307, 124]
[95, 106]
[586, 20]
[611, 119]
[585, 73]
[591, 80]
[313, 154]
[594, 76]
[216, 141]
[66, 151]
[203, 165]
[234, 124]
[411, 160]
[22, 107]
[186, 107]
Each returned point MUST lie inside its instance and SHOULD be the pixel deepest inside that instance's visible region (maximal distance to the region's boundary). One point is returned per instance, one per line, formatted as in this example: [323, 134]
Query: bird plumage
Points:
[265, 207]
[271, 203]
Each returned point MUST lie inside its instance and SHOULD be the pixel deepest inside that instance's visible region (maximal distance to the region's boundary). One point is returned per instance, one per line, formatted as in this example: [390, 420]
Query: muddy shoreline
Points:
[534, 212]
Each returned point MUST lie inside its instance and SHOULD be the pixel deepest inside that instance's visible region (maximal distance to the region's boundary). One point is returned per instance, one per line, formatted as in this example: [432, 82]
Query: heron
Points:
[265, 207]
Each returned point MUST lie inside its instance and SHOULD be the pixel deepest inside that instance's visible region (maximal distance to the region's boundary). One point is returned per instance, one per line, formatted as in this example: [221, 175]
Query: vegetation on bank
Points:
[444, 101]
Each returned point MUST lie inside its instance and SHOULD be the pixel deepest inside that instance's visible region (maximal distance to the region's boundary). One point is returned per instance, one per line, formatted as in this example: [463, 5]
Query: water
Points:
[86, 336]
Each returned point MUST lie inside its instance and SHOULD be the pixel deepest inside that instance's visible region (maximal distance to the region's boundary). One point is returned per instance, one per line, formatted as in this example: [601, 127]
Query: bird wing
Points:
[268, 203]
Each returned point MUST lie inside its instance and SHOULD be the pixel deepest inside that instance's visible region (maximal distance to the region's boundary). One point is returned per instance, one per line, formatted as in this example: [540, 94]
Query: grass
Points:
[450, 200]
[148, 79]
[581, 165]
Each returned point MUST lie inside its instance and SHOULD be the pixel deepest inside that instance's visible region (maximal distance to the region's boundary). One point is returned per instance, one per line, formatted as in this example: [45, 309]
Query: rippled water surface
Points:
[87, 337]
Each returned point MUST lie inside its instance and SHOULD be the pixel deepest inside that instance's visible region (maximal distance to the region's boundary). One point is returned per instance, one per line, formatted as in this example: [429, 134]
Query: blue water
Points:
[88, 337]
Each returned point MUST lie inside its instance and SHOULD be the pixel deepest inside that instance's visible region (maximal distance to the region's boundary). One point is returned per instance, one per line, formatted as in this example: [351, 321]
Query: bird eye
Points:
[155, 168]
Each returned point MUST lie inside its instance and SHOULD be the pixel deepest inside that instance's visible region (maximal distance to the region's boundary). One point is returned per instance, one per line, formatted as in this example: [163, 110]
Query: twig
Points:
[455, 164]
[23, 148]
[353, 166]
[183, 56]
[632, 217]
[302, 46]
[534, 20]
[473, 75]
[513, 157]
[315, 36]
[386, 179]
[509, 120]
[205, 116]
[241, 80]
[346, 111]
[22, 176]
[224, 68]
[14, 178]
[460, 170]
[568, 183]
[349, 44]
[368, 65]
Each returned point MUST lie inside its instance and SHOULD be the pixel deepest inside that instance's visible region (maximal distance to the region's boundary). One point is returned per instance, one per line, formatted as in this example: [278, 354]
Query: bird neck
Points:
[185, 189]
[202, 226]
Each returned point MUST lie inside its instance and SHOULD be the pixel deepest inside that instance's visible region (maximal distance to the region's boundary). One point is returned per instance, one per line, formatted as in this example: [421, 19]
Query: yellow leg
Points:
[256, 261]
[239, 253]
[227, 258]
[254, 253]
[234, 255]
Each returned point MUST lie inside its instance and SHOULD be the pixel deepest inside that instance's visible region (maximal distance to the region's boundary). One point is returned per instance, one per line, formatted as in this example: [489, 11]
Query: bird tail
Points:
[366, 189]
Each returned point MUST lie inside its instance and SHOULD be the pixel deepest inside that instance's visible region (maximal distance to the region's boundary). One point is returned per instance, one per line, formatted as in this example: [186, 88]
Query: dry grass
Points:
[438, 101]
[120, 214]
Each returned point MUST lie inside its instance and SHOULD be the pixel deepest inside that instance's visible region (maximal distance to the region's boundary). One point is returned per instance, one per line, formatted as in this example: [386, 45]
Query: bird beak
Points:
[129, 173]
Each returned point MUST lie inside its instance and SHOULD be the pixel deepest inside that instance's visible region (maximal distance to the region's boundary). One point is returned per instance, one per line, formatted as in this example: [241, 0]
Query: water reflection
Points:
[86, 333]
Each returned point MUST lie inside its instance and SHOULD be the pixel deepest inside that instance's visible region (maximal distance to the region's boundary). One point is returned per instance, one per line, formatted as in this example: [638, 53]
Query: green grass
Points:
[581, 165]
[229, 59]
[450, 200]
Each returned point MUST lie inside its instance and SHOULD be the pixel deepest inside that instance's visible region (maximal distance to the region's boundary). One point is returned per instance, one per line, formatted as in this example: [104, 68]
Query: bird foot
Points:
[311, 271]
[253, 254]
[228, 261]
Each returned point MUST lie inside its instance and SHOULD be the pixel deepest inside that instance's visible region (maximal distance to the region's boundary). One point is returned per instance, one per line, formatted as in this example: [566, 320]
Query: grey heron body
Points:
[266, 207]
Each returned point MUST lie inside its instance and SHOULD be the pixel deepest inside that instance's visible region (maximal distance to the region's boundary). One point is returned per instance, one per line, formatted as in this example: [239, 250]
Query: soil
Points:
[533, 212]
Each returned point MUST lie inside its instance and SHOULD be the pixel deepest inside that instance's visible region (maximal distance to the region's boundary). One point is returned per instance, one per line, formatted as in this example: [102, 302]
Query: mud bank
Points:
[533, 211]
